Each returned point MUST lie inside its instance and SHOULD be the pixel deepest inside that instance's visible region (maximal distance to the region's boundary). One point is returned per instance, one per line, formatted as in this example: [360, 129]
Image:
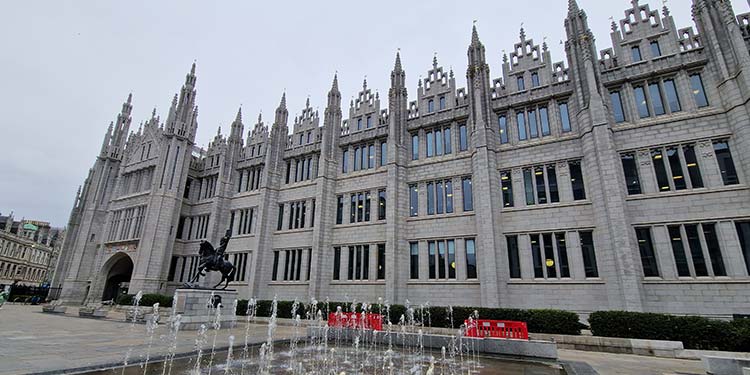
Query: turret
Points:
[397, 103]
[182, 119]
[720, 34]
[332, 120]
[113, 145]
[581, 52]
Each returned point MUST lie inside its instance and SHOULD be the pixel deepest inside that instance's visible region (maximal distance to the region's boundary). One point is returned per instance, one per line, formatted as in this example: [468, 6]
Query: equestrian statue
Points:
[213, 260]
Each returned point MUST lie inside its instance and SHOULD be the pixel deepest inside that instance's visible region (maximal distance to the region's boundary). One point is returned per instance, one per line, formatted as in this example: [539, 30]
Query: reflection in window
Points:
[533, 130]
[726, 164]
[629, 166]
[655, 91]
[655, 50]
[463, 141]
[414, 260]
[521, 125]
[528, 186]
[503, 124]
[699, 93]
[589, 254]
[467, 194]
[514, 262]
[565, 117]
[640, 102]
[576, 180]
[414, 147]
[694, 171]
[506, 183]
[544, 120]
[678, 250]
[617, 109]
[678, 177]
[536, 255]
[646, 248]
[673, 99]
[661, 171]
[413, 200]
[635, 53]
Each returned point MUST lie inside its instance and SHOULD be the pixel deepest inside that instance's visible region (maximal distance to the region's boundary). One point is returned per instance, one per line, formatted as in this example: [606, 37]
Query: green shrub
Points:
[693, 331]
[147, 300]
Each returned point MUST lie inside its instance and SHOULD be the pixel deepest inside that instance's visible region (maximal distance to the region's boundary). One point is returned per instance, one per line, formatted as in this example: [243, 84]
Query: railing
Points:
[503, 329]
[355, 320]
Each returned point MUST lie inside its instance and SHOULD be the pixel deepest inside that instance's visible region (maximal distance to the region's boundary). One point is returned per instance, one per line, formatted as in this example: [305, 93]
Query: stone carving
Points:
[213, 260]
[644, 157]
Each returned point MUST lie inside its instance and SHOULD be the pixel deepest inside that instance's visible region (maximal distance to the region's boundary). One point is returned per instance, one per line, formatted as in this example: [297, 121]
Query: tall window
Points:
[357, 158]
[514, 262]
[339, 209]
[565, 117]
[471, 259]
[678, 178]
[589, 254]
[442, 102]
[528, 186]
[726, 164]
[655, 92]
[431, 263]
[576, 180]
[541, 191]
[533, 130]
[694, 171]
[336, 263]
[371, 156]
[640, 102]
[630, 167]
[414, 260]
[714, 251]
[549, 256]
[534, 79]
[743, 232]
[699, 94]
[467, 194]
[448, 196]
[430, 199]
[430, 143]
[646, 248]
[344, 162]
[536, 256]
[369, 122]
[655, 50]
[554, 196]
[381, 205]
[431, 106]
[521, 83]
[275, 269]
[521, 125]
[617, 109]
[678, 249]
[463, 141]
[439, 197]
[413, 200]
[448, 147]
[635, 53]
[661, 171]
[359, 124]
[562, 254]
[381, 262]
[503, 124]
[544, 120]
[414, 147]
[673, 99]
[280, 223]
[506, 183]
[383, 154]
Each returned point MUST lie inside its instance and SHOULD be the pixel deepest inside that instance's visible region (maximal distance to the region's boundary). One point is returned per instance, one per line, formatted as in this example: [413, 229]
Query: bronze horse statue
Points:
[213, 260]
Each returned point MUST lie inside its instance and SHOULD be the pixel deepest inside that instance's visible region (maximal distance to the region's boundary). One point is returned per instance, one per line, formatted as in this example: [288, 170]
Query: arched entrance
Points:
[118, 276]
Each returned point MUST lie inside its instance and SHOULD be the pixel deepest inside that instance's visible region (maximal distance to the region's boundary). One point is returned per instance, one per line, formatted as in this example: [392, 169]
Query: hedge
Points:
[695, 332]
[539, 321]
[147, 300]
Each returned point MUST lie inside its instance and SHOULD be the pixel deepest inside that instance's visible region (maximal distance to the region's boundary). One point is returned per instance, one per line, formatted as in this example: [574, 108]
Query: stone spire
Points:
[573, 7]
[398, 76]
[281, 112]
[397, 65]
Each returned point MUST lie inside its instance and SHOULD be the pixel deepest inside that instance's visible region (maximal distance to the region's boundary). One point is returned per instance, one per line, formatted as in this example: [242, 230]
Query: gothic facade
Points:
[616, 179]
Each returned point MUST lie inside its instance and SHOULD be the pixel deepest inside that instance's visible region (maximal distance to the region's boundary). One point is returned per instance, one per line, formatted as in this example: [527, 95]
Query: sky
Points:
[66, 66]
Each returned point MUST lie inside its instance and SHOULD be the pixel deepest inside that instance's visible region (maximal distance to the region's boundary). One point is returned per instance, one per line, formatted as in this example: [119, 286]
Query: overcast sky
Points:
[66, 66]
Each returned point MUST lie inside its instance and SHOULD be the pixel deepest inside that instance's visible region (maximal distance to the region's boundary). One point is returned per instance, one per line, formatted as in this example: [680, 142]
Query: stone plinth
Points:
[194, 306]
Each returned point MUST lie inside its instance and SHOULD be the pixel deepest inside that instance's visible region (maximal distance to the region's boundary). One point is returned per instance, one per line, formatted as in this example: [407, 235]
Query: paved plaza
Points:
[31, 341]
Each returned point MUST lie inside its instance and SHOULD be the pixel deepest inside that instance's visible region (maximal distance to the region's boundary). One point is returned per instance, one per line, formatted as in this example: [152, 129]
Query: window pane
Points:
[430, 147]
[576, 180]
[430, 106]
[513, 261]
[743, 232]
[413, 200]
[694, 171]
[674, 164]
[371, 157]
[549, 255]
[447, 136]
[589, 254]
[678, 249]
[383, 154]
[381, 205]
[414, 260]
[541, 191]
[280, 223]
[635, 52]
[630, 168]
[381, 261]
[414, 147]
[353, 209]
[714, 251]
[442, 102]
[463, 142]
[351, 263]
[698, 92]
[617, 109]
[367, 206]
[534, 79]
[521, 125]
[562, 255]
[438, 142]
[431, 252]
[441, 259]
[439, 194]
[336, 263]
[528, 186]
[646, 248]
[661, 171]
[503, 124]
[655, 91]
[451, 259]
[696, 250]
[565, 117]
[506, 182]
[448, 197]
[468, 194]
[533, 130]
[726, 164]
[339, 209]
[536, 255]
[521, 84]
[365, 157]
[430, 199]
[275, 269]
[471, 259]
[672, 98]
[360, 207]
[344, 162]
[554, 197]
[640, 102]
[655, 50]
[544, 119]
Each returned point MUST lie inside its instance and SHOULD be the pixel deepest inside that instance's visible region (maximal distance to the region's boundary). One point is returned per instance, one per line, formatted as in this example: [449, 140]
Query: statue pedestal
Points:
[194, 306]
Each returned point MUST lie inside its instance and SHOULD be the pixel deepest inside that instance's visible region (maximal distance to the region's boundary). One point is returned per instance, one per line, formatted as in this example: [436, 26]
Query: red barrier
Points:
[354, 320]
[503, 329]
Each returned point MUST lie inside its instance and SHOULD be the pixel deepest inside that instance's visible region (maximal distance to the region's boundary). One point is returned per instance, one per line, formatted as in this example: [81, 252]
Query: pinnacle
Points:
[335, 85]
[260, 117]
[307, 103]
[397, 65]
[239, 115]
[192, 69]
[434, 60]
[573, 7]
[283, 100]
[475, 35]
[130, 98]
[364, 84]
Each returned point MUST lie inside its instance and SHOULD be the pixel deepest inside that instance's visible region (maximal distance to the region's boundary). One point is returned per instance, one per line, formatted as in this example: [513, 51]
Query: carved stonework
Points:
[644, 157]
[706, 149]
[517, 173]
[562, 169]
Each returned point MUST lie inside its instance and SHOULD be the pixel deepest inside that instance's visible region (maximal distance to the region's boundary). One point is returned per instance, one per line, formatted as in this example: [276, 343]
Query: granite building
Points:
[613, 179]
[29, 251]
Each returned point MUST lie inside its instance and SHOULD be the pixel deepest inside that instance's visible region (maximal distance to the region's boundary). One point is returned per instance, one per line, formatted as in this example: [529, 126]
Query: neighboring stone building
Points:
[28, 251]
[615, 180]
